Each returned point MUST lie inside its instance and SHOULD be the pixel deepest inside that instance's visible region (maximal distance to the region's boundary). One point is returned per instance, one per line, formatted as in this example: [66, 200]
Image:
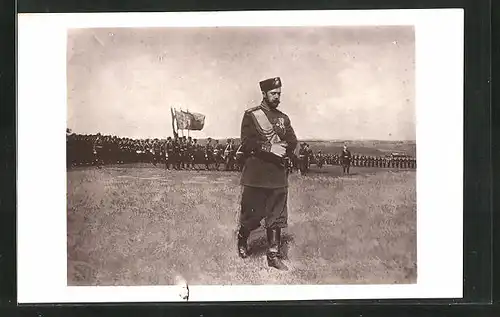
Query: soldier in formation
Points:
[229, 155]
[319, 159]
[303, 159]
[186, 153]
[172, 153]
[346, 160]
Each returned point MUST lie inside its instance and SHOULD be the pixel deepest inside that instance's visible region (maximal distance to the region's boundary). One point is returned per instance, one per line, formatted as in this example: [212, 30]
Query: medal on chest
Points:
[279, 125]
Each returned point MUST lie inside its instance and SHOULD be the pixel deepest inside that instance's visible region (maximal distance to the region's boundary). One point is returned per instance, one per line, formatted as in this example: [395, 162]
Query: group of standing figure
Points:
[185, 153]
[182, 153]
[306, 157]
[345, 159]
[179, 153]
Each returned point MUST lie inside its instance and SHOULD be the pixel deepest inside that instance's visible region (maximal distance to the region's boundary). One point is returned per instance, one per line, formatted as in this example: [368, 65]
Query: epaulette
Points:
[252, 109]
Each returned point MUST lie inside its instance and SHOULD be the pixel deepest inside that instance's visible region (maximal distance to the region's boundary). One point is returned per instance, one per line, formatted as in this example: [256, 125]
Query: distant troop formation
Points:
[356, 160]
[174, 153]
[347, 160]
[186, 153]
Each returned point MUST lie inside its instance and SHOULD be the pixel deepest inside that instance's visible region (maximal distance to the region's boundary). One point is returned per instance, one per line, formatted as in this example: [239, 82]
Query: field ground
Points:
[142, 225]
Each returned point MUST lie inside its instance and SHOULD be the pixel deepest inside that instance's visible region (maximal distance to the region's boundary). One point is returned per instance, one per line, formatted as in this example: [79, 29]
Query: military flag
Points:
[183, 120]
[196, 121]
[189, 120]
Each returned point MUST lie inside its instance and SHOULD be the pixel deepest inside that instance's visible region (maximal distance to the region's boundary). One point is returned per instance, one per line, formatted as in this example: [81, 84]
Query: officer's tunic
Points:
[346, 158]
[264, 176]
[304, 159]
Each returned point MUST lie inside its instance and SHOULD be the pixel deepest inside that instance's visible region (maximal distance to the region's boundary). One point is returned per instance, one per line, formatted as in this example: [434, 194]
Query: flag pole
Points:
[176, 129]
[172, 114]
[180, 111]
[172, 117]
[189, 122]
[178, 125]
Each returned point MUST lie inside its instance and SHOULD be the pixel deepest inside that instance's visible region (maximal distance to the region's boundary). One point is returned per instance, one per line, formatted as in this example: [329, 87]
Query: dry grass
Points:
[144, 226]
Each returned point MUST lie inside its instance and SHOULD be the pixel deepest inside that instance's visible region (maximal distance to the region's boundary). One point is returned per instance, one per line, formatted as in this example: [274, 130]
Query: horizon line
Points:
[238, 137]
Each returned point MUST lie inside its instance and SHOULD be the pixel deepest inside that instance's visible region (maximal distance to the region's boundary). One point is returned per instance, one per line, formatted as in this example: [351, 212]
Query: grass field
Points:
[145, 226]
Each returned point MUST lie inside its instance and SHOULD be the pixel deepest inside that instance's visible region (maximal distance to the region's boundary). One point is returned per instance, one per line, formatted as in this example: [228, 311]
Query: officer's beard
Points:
[272, 104]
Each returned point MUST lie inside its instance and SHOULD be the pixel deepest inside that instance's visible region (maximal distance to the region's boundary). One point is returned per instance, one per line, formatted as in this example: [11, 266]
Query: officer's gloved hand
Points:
[278, 149]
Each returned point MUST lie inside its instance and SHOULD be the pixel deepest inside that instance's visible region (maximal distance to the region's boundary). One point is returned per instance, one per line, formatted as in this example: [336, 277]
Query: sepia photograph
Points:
[241, 155]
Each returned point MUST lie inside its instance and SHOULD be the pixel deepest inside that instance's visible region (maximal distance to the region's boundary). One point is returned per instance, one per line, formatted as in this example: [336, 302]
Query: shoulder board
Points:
[252, 109]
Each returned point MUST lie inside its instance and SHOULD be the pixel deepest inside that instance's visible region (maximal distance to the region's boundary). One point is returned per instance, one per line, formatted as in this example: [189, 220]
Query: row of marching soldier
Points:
[185, 153]
[178, 153]
[357, 160]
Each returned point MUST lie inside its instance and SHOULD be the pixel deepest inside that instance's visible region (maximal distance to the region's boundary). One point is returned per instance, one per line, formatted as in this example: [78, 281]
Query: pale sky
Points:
[338, 82]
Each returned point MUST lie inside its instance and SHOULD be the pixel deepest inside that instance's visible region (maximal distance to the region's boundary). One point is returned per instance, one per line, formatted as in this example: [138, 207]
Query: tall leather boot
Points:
[274, 242]
[243, 235]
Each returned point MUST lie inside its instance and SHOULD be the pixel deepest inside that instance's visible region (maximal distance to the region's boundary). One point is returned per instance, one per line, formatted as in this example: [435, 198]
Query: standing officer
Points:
[229, 155]
[303, 159]
[190, 153]
[217, 154]
[209, 153]
[196, 153]
[176, 153]
[267, 137]
[183, 153]
[319, 159]
[345, 157]
[310, 155]
[169, 153]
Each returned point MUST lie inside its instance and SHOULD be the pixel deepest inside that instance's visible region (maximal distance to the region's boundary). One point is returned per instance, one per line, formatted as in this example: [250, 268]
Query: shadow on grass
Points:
[258, 247]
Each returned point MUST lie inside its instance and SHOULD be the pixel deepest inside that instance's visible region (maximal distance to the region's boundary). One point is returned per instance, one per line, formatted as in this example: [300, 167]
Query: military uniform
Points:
[303, 159]
[182, 153]
[189, 154]
[265, 177]
[262, 168]
[310, 155]
[217, 154]
[198, 152]
[209, 154]
[346, 160]
[176, 153]
[229, 155]
[169, 153]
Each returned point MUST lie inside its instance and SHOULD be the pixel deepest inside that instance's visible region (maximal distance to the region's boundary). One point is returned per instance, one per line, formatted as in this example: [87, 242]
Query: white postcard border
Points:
[41, 187]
